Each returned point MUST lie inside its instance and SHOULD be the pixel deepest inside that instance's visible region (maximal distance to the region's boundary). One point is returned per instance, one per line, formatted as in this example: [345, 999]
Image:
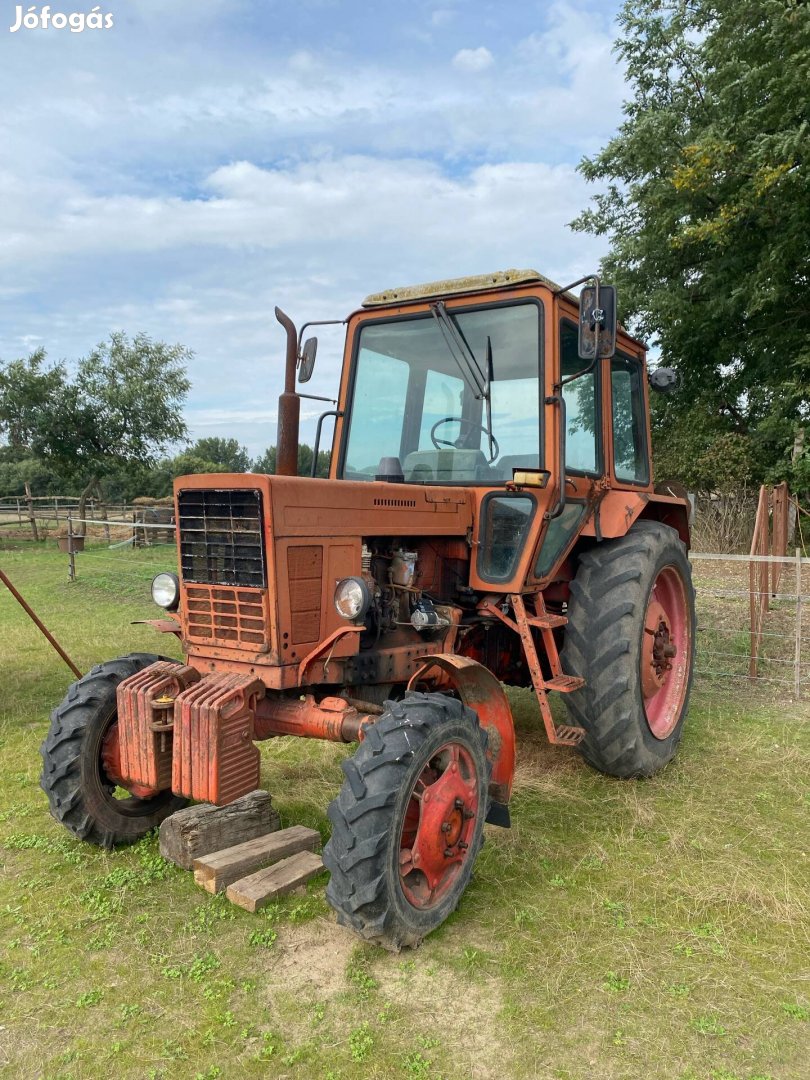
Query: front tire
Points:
[75, 777]
[408, 822]
[630, 635]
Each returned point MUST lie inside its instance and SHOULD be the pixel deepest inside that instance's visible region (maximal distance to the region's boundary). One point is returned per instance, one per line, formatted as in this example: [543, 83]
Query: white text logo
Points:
[76, 22]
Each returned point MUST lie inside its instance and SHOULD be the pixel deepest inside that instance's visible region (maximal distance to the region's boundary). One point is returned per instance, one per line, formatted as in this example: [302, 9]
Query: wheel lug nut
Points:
[446, 826]
[463, 845]
[468, 814]
[448, 852]
[459, 803]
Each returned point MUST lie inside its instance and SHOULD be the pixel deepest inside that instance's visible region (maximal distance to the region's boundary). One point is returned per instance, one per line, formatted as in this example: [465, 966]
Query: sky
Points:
[201, 161]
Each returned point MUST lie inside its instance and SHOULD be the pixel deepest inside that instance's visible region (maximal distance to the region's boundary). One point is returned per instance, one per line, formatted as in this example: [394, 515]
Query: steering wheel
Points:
[470, 425]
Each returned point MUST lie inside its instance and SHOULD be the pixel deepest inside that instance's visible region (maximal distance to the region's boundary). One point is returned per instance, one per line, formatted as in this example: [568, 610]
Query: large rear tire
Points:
[408, 822]
[630, 635]
[76, 762]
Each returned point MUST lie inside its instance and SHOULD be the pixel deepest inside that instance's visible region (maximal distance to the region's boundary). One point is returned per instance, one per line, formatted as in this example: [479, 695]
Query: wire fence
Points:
[124, 563]
[728, 649]
[38, 516]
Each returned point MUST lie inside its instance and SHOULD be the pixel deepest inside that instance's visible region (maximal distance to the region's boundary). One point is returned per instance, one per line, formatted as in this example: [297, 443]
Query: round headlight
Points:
[166, 591]
[352, 598]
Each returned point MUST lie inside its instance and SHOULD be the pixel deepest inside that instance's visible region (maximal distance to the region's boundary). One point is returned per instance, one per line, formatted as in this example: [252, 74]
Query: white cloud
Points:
[473, 60]
[442, 16]
[185, 191]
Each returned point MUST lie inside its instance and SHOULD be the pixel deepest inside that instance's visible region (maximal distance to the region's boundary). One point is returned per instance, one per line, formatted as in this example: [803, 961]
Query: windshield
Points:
[417, 399]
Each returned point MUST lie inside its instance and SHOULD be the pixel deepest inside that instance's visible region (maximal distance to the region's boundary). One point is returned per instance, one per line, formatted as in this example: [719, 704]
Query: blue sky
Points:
[205, 160]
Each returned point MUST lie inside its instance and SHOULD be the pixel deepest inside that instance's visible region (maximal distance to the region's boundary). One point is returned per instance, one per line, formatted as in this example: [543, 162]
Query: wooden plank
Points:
[217, 870]
[198, 830]
[256, 890]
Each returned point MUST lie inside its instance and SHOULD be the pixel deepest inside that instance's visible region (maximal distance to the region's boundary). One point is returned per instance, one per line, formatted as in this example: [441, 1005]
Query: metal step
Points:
[547, 621]
[564, 684]
[565, 735]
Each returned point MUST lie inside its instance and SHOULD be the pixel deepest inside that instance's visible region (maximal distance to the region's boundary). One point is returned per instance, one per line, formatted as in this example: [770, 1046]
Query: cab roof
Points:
[500, 279]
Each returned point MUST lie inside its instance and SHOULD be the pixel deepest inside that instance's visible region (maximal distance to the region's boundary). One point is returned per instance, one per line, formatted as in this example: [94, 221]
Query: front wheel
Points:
[630, 635]
[80, 759]
[408, 822]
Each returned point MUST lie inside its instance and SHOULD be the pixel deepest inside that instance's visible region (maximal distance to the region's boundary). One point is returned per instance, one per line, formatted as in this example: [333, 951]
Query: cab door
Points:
[584, 450]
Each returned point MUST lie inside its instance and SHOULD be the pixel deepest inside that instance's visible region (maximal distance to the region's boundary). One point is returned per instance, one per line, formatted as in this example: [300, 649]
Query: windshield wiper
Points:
[459, 348]
[460, 351]
[487, 396]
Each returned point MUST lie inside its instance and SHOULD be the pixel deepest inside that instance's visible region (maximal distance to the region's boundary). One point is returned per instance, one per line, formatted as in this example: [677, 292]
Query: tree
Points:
[707, 210]
[267, 462]
[121, 408]
[225, 452]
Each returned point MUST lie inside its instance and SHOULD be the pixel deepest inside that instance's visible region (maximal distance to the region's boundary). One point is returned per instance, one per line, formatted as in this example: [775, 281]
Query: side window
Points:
[582, 429]
[505, 523]
[629, 427]
[558, 534]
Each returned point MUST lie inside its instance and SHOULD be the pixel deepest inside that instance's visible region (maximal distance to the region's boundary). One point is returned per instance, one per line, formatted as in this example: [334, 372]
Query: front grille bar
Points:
[221, 537]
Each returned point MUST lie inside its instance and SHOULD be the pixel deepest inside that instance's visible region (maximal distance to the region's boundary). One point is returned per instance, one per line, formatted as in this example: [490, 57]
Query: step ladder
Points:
[546, 622]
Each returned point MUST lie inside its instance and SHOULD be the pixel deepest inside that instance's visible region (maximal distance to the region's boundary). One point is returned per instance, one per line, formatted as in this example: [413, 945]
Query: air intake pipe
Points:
[289, 405]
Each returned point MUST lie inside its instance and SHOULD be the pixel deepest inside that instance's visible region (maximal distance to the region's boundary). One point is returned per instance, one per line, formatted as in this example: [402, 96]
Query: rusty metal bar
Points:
[289, 405]
[332, 719]
[797, 656]
[40, 625]
[758, 604]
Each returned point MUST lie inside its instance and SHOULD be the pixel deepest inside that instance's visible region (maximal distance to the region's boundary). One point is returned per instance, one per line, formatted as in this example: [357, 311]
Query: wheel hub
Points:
[659, 649]
[439, 825]
[665, 652]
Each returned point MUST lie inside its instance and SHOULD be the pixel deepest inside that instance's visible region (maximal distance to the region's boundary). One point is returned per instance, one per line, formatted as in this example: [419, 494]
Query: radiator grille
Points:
[232, 617]
[221, 537]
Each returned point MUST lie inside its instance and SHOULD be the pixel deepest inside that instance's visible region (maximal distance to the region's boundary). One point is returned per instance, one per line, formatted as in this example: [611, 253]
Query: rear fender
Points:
[480, 690]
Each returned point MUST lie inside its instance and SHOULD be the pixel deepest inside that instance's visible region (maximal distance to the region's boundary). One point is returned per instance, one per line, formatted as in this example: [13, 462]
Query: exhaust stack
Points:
[289, 405]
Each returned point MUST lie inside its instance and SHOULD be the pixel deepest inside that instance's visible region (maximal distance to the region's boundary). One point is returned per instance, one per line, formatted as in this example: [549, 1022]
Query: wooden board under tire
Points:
[198, 830]
[256, 890]
[216, 871]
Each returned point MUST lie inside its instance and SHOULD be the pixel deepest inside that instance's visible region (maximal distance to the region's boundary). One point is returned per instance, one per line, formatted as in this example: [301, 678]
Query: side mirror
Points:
[591, 317]
[307, 360]
[664, 380]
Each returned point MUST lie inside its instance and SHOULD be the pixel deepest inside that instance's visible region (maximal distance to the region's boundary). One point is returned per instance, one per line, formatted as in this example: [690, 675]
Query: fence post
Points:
[105, 519]
[71, 553]
[797, 667]
[19, 512]
[31, 515]
[758, 584]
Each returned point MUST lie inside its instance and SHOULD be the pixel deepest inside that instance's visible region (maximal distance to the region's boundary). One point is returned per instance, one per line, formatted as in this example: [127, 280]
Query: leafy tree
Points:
[267, 462]
[707, 209]
[120, 408]
[17, 468]
[225, 452]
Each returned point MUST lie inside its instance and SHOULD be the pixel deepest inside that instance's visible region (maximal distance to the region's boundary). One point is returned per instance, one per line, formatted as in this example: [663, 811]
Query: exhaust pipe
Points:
[289, 405]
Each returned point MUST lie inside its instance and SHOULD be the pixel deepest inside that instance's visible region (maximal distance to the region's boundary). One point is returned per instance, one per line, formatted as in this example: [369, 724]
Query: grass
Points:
[618, 930]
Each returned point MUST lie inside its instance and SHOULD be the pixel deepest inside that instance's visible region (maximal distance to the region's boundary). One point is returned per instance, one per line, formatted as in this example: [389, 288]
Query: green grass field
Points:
[648, 930]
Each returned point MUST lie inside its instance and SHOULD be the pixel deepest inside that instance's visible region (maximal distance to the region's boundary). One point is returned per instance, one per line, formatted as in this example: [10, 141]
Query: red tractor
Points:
[489, 518]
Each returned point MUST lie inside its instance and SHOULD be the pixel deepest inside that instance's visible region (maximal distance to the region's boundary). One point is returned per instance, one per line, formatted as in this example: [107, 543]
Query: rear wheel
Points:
[80, 760]
[408, 822]
[630, 635]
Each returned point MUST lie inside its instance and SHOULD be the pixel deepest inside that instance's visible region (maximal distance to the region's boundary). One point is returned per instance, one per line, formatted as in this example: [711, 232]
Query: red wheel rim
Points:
[666, 651]
[438, 826]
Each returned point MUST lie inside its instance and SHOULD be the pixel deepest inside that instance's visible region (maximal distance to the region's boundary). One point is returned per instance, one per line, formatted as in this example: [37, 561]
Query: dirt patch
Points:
[312, 957]
[437, 999]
